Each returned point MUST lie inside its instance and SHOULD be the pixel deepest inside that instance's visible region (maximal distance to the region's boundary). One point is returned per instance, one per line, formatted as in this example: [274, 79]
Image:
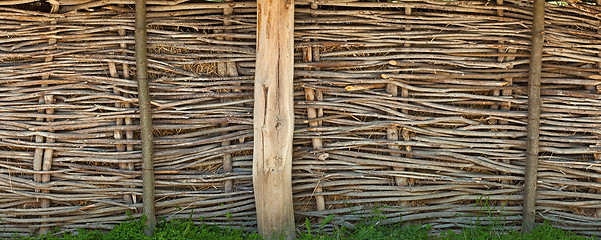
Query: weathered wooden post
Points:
[43, 157]
[145, 118]
[534, 107]
[597, 156]
[274, 119]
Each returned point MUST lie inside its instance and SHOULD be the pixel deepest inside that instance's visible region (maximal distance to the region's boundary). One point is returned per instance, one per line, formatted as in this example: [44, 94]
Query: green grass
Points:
[542, 232]
[132, 229]
[369, 229]
[371, 232]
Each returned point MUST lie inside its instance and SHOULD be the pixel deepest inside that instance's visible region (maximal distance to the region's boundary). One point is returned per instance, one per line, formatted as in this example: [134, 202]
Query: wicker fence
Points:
[417, 107]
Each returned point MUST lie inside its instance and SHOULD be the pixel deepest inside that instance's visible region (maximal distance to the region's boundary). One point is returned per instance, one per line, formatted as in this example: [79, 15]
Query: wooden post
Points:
[274, 119]
[534, 107]
[43, 157]
[597, 156]
[509, 80]
[227, 69]
[145, 118]
[497, 92]
[119, 134]
[392, 133]
[404, 131]
[129, 134]
[311, 54]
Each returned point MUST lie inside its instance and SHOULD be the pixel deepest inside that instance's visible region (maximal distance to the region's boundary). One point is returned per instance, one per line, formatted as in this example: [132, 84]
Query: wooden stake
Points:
[43, 158]
[392, 133]
[509, 80]
[145, 118]
[308, 54]
[405, 132]
[597, 156]
[227, 69]
[534, 108]
[274, 119]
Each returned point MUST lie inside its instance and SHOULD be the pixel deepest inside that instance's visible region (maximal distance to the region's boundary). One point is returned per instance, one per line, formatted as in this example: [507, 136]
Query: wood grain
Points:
[274, 119]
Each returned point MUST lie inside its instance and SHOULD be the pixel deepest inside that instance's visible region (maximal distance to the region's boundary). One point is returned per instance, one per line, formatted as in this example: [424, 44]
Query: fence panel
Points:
[417, 107]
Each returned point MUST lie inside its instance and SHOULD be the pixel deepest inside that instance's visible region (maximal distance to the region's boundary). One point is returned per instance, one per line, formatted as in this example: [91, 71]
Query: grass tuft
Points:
[370, 228]
[542, 232]
[180, 229]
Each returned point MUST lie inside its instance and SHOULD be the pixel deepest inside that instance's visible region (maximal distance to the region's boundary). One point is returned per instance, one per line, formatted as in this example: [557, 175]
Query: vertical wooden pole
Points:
[405, 134]
[145, 118]
[47, 160]
[228, 69]
[594, 89]
[509, 80]
[497, 92]
[312, 113]
[311, 54]
[534, 107]
[308, 56]
[392, 133]
[119, 134]
[274, 119]
[43, 157]
[129, 134]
